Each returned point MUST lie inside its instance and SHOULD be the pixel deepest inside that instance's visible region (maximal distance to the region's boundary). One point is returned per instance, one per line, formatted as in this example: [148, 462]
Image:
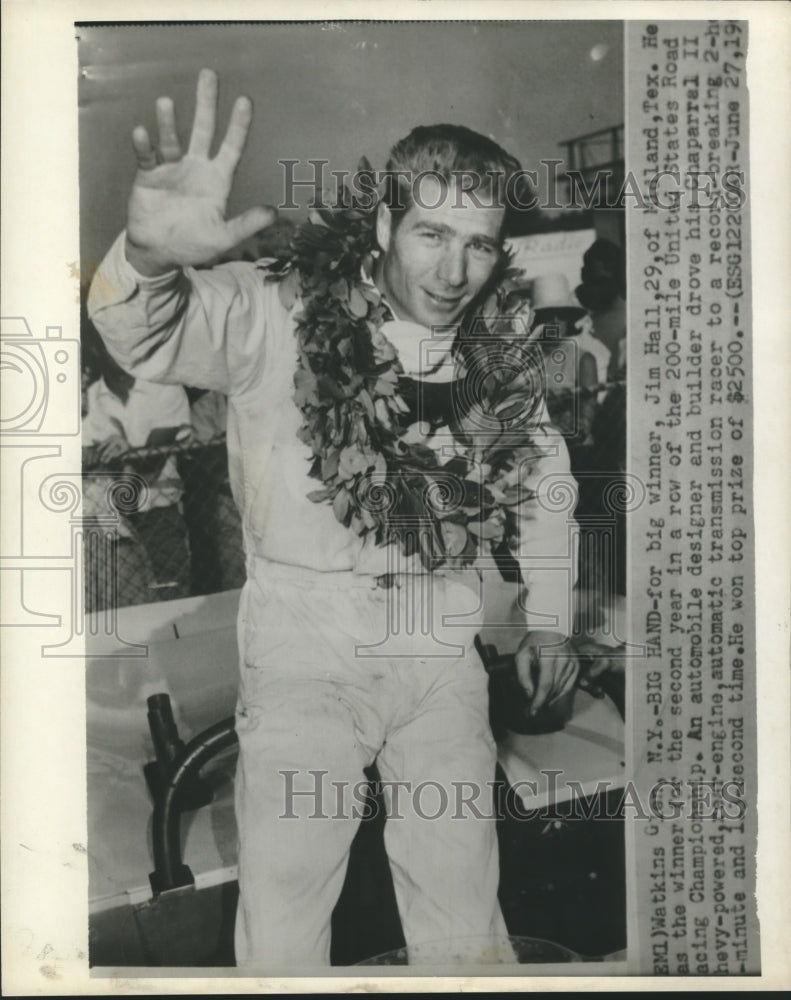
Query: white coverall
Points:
[331, 677]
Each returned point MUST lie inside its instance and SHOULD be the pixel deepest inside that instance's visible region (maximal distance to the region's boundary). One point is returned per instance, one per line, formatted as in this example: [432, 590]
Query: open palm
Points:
[176, 213]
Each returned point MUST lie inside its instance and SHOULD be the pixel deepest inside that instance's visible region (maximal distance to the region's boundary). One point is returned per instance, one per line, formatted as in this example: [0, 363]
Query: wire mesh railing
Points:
[160, 524]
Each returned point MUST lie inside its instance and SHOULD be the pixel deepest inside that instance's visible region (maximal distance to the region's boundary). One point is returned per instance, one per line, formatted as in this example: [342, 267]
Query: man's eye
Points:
[432, 237]
[484, 249]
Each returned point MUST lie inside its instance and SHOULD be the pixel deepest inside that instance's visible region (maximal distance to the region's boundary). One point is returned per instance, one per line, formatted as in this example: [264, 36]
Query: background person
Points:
[603, 293]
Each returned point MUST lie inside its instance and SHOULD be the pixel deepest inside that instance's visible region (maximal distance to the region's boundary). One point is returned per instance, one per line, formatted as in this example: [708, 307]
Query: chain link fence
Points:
[160, 524]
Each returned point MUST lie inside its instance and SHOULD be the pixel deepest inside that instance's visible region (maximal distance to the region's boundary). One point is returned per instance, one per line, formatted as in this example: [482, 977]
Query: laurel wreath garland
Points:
[376, 468]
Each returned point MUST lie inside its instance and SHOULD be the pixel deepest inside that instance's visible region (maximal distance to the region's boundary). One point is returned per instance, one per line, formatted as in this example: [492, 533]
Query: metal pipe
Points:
[169, 870]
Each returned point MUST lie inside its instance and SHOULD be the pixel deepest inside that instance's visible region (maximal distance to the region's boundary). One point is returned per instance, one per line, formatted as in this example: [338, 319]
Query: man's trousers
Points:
[337, 673]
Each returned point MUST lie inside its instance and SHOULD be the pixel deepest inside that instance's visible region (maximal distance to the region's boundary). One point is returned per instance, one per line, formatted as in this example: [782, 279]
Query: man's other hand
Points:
[546, 667]
[177, 206]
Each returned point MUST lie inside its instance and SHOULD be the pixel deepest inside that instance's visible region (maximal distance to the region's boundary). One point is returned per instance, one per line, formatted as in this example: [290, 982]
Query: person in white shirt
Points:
[332, 676]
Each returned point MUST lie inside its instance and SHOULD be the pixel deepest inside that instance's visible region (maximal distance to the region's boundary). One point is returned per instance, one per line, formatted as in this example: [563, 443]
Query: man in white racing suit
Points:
[331, 677]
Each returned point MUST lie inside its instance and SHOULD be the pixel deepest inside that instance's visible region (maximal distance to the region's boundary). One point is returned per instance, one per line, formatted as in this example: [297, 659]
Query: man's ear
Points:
[384, 227]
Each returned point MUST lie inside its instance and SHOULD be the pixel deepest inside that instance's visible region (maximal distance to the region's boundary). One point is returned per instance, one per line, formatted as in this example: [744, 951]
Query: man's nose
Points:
[453, 267]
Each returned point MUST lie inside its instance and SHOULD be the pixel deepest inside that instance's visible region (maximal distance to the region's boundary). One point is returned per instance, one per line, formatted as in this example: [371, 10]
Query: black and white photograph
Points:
[399, 555]
[355, 424]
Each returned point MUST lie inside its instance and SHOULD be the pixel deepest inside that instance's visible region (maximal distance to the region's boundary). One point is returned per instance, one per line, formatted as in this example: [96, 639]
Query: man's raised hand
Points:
[177, 206]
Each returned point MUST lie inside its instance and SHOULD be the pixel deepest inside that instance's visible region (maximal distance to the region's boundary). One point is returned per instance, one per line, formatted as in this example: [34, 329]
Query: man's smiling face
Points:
[437, 259]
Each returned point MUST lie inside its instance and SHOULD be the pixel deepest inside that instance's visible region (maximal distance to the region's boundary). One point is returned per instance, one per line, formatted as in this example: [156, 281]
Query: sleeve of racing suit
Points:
[200, 327]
